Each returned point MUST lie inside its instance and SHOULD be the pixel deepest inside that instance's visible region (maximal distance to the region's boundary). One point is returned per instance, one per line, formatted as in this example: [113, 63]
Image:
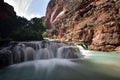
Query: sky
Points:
[29, 8]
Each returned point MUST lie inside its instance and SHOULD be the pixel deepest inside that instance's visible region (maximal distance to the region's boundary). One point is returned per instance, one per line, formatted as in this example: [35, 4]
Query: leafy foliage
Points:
[20, 29]
[45, 34]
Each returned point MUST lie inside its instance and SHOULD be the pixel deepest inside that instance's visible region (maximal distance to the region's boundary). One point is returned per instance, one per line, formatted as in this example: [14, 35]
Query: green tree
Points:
[19, 28]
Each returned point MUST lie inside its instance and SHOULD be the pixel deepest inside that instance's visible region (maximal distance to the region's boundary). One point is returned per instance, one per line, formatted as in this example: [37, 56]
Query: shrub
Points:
[45, 34]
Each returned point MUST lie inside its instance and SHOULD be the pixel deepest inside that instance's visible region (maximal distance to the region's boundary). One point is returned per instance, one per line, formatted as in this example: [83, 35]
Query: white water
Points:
[27, 51]
[53, 60]
[49, 64]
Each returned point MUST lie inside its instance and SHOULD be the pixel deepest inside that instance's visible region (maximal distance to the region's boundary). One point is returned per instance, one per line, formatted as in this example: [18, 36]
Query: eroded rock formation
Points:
[95, 22]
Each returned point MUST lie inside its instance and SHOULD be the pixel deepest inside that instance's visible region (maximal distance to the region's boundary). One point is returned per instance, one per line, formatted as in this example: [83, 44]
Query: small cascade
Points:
[35, 50]
[67, 52]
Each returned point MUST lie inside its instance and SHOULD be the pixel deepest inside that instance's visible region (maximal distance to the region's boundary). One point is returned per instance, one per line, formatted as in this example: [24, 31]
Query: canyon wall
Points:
[94, 22]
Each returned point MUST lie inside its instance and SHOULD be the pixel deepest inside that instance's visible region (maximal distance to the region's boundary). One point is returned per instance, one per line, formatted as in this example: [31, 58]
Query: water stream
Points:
[54, 60]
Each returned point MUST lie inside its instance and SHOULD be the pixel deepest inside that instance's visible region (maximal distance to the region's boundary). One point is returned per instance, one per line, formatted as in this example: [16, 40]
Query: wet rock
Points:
[5, 57]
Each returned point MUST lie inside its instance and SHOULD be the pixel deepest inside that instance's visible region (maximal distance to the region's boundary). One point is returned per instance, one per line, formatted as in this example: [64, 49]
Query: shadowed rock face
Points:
[6, 10]
[95, 22]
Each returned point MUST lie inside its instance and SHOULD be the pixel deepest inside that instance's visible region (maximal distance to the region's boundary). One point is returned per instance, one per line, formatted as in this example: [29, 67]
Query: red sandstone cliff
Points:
[95, 22]
[6, 10]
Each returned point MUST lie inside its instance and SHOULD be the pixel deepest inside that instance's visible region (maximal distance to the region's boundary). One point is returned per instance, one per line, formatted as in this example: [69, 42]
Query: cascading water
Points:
[68, 52]
[54, 60]
[26, 51]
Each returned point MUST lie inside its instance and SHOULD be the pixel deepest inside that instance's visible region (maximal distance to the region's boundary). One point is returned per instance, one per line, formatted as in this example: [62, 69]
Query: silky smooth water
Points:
[54, 60]
[96, 66]
[18, 52]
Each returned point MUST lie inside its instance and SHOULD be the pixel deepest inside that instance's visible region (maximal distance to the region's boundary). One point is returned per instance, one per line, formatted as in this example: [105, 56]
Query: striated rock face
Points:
[95, 22]
[6, 10]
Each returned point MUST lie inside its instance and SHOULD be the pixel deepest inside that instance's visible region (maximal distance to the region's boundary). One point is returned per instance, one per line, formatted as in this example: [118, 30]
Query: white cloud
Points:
[21, 8]
[29, 16]
[11, 2]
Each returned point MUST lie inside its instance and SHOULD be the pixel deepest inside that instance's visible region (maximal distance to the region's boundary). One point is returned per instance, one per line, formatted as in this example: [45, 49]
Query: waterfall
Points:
[18, 52]
[68, 52]
[55, 60]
